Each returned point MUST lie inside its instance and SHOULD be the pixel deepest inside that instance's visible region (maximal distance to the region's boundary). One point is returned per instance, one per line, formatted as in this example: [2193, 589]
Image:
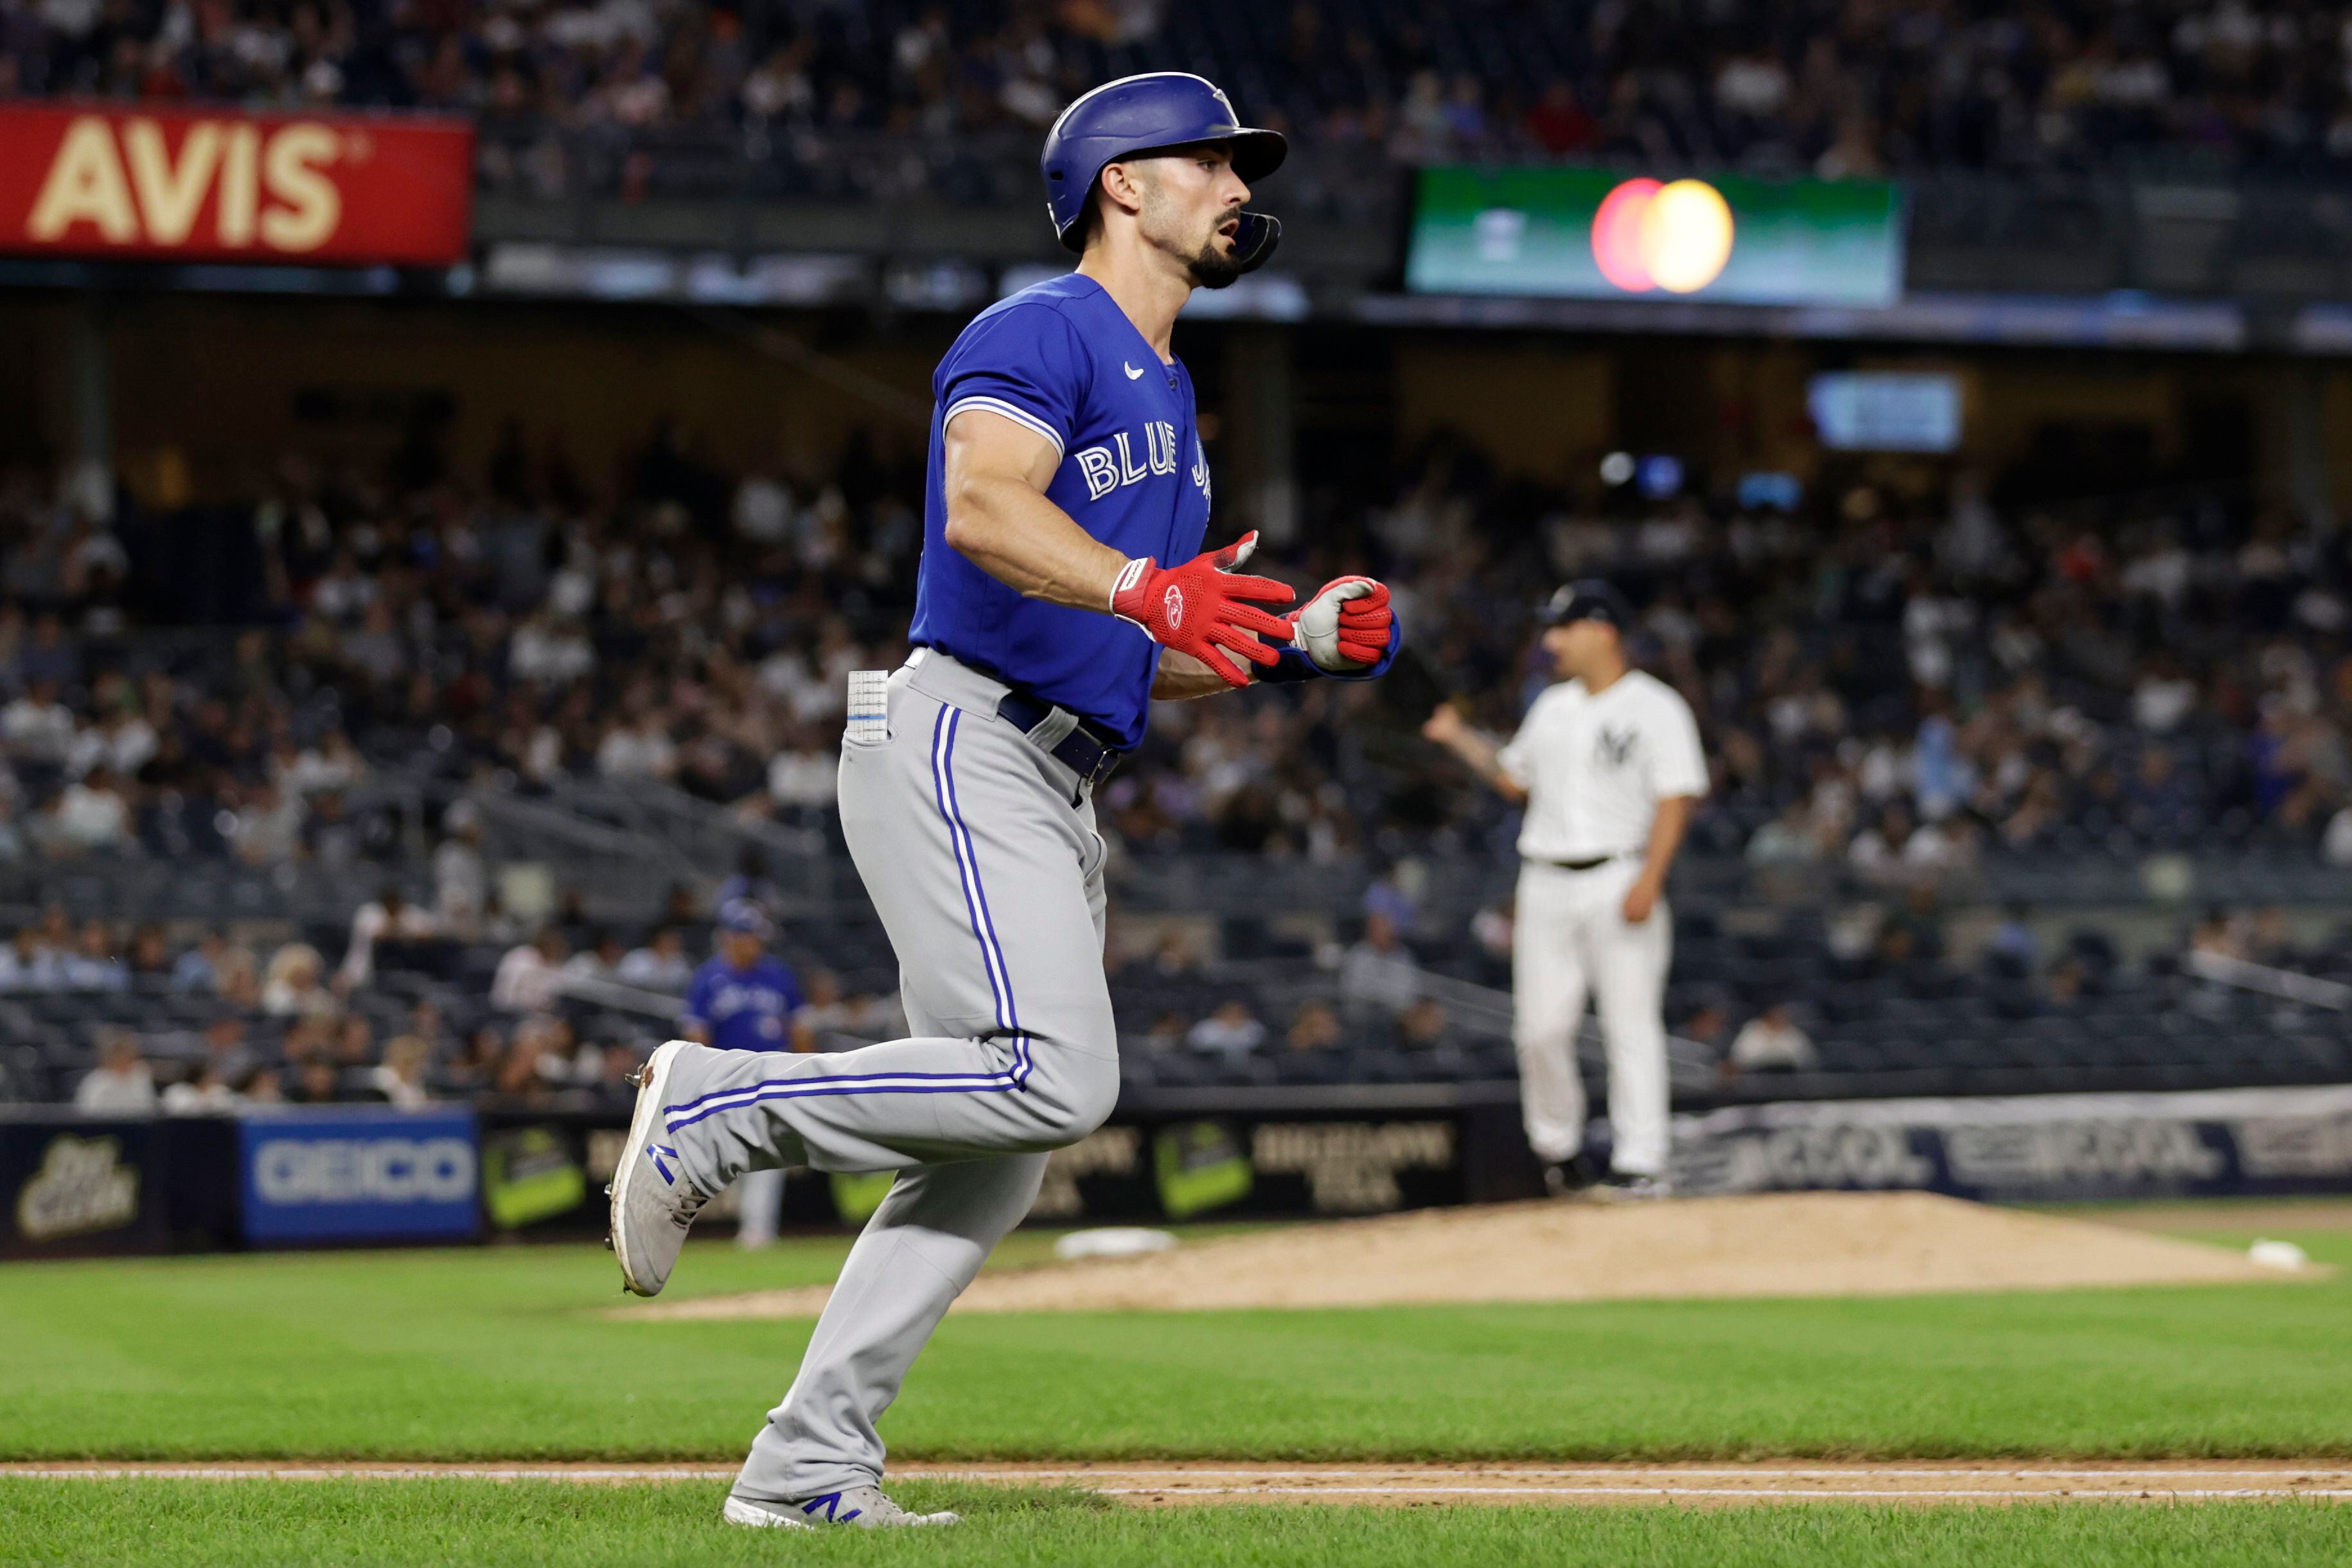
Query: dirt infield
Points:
[1150, 1485]
[1794, 1244]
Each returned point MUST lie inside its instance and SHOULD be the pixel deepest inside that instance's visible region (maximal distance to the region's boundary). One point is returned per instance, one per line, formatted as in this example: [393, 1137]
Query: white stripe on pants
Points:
[1569, 939]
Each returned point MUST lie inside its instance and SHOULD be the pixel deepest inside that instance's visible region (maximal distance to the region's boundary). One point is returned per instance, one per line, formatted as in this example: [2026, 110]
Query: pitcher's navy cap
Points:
[1588, 599]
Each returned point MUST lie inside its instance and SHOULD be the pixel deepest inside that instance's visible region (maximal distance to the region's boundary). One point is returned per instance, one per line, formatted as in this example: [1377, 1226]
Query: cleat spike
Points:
[608, 1243]
[608, 1189]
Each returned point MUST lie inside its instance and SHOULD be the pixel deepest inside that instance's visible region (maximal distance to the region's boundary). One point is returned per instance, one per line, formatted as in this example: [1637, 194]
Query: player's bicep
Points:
[982, 447]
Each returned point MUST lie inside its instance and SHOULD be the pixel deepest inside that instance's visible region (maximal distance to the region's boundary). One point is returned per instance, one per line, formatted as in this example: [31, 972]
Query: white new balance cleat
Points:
[654, 1204]
[860, 1508]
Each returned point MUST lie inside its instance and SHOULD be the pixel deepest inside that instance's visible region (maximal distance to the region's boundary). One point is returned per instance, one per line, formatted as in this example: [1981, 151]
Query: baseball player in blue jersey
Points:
[1062, 587]
[744, 998]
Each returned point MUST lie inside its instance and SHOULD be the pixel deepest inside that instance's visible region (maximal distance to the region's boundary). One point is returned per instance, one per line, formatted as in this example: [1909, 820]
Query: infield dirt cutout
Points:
[1433, 1485]
[1796, 1244]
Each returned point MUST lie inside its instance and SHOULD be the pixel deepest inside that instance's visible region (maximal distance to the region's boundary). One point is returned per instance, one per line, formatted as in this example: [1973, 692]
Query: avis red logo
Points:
[1173, 604]
[266, 188]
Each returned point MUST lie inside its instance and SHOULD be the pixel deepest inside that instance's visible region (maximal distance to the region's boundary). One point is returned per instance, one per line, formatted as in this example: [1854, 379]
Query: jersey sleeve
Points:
[1677, 760]
[1025, 363]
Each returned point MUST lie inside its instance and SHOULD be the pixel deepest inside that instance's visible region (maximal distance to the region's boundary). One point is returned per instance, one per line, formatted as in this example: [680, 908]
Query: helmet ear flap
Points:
[1254, 241]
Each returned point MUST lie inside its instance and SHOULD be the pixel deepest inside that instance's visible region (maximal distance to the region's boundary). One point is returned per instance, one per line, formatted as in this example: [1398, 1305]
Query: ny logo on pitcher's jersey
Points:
[1108, 468]
[1613, 748]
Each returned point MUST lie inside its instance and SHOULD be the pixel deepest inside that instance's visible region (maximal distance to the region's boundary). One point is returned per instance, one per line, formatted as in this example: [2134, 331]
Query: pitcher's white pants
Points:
[1569, 939]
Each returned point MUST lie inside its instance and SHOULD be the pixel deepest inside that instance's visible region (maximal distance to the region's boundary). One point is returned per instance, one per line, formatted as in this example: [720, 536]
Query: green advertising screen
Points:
[1596, 234]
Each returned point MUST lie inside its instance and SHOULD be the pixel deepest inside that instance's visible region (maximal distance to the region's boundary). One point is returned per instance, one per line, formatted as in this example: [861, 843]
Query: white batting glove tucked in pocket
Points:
[869, 709]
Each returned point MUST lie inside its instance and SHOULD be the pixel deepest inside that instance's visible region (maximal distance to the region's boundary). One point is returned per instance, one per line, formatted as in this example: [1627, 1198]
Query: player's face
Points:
[1575, 646]
[1192, 209]
[742, 948]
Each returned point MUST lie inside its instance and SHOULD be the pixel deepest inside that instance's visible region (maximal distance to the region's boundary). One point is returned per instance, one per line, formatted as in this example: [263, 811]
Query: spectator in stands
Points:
[225, 1051]
[461, 878]
[121, 1085]
[2013, 940]
[207, 1094]
[37, 726]
[198, 970]
[1379, 974]
[262, 1088]
[352, 1041]
[1314, 1027]
[661, 964]
[151, 958]
[400, 1077]
[805, 777]
[316, 1082]
[1771, 1042]
[1423, 1026]
[27, 965]
[834, 1019]
[600, 960]
[1232, 1033]
[93, 965]
[267, 827]
[530, 976]
[294, 985]
[90, 816]
[388, 916]
[473, 1069]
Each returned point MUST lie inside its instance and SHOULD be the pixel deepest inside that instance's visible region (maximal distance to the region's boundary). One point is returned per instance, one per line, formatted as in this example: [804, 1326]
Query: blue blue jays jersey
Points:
[1063, 359]
[744, 1009]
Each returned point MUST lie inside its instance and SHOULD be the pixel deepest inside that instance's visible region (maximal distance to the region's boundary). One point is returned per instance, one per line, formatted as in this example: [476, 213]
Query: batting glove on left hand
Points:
[1348, 629]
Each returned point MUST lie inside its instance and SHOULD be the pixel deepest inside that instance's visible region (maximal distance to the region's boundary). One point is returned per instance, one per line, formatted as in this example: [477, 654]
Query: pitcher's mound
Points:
[1796, 1244]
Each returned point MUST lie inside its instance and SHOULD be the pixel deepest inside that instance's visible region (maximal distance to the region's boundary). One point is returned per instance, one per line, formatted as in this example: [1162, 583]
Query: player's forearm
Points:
[1484, 755]
[1012, 532]
[1667, 825]
[1182, 677]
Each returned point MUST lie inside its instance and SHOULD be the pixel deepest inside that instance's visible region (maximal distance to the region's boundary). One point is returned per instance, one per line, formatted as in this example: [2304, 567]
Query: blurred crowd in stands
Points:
[1840, 89]
[1897, 682]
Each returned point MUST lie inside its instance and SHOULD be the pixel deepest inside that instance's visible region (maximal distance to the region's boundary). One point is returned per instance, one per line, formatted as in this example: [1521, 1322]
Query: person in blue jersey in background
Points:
[745, 998]
[1064, 587]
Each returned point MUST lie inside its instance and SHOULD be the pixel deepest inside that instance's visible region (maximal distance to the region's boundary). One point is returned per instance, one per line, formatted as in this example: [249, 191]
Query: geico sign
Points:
[272, 188]
[364, 1170]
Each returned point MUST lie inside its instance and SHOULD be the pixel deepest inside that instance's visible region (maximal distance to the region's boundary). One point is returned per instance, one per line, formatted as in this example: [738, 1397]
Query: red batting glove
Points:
[1203, 606]
[1363, 618]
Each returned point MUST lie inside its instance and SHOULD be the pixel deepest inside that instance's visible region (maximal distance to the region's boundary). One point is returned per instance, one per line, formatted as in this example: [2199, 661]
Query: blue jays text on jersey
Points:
[744, 1009]
[1062, 359]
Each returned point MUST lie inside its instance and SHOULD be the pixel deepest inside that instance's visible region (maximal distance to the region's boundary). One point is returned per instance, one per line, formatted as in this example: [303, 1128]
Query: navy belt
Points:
[1084, 751]
[1587, 864]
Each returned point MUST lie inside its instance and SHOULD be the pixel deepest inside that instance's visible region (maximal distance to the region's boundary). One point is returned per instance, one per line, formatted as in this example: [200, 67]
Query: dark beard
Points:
[1212, 268]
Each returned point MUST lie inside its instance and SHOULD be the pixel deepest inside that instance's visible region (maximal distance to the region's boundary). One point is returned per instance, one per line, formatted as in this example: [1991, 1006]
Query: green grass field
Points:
[512, 1354]
[565, 1526]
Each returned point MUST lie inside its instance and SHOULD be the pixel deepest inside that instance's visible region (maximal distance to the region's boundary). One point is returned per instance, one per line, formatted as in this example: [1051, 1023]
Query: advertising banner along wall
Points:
[2040, 1148]
[212, 184]
[358, 1176]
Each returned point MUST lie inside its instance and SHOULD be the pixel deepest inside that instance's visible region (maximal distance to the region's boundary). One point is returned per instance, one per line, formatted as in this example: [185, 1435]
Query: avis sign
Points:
[178, 185]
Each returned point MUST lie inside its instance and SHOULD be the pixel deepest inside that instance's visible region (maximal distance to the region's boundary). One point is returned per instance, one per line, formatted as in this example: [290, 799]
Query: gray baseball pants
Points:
[980, 852]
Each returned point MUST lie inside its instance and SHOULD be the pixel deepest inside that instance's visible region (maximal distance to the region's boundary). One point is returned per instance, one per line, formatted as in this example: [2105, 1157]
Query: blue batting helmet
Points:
[1151, 113]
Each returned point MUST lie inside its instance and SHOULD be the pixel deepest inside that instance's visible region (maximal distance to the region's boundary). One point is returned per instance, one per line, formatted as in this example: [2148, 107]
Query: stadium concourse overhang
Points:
[359, 271]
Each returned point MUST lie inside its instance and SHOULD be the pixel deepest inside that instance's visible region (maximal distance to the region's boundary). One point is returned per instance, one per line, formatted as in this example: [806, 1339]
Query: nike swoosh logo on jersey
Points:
[1132, 373]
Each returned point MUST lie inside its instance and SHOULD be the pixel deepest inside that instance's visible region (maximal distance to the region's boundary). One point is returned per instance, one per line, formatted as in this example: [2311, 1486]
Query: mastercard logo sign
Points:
[1674, 237]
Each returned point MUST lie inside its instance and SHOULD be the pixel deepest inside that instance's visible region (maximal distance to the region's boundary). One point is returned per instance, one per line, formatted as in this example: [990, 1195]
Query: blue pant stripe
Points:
[975, 896]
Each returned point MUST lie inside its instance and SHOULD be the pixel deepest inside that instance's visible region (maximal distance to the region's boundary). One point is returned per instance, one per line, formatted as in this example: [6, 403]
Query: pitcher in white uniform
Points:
[1608, 765]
